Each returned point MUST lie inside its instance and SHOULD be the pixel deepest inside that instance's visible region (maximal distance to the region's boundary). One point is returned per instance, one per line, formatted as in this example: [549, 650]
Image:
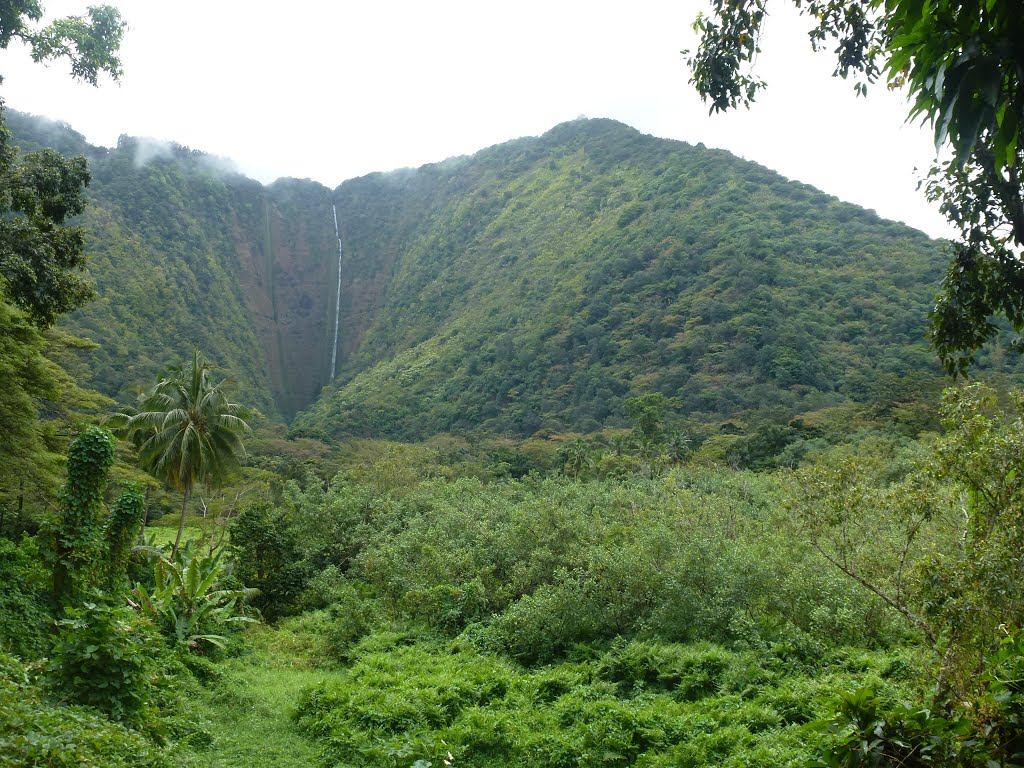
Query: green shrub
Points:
[866, 727]
[35, 732]
[637, 704]
[105, 656]
[866, 730]
[794, 699]
[549, 564]
[446, 607]
[391, 702]
[545, 625]
[192, 601]
[265, 552]
[352, 617]
[688, 672]
[24, 599]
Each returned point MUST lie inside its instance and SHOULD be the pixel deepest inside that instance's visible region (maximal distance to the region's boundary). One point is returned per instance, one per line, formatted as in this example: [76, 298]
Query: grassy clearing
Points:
[249, 709]
[197, 528]
[165, 535]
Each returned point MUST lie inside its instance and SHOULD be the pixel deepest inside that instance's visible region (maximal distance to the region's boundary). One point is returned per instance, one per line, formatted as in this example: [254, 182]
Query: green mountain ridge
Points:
[533, 285]
[554, 277]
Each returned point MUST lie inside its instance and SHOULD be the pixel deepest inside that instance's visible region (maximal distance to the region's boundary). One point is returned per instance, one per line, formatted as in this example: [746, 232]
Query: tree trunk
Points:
[145, 515]
[181, 524]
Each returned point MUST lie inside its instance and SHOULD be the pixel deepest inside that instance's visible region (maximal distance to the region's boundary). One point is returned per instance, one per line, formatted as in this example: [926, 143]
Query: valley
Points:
[588, 449]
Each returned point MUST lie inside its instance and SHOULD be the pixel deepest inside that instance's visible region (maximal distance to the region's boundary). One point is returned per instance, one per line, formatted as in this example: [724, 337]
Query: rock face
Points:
[186, 253]
[287, 273]
[536, 284]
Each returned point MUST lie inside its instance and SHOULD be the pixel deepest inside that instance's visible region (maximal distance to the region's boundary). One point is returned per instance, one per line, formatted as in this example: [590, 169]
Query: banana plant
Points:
[186, 601]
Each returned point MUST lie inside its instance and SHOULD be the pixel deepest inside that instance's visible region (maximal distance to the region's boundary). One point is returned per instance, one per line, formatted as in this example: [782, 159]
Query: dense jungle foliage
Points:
[560, 276]
[160, 256]
[423, 607]
[688, 492]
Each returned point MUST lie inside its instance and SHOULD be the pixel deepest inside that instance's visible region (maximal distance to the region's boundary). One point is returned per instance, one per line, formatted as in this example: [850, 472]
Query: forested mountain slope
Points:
[541, 282]
[185, 252]
[535, 284]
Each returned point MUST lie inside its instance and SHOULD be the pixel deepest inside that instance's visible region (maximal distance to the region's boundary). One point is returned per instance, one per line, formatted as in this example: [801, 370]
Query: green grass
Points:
[197, 528]
[165, 534]
[250, 708]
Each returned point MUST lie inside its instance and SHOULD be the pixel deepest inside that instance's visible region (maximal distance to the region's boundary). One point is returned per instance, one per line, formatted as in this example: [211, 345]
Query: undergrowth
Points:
[410, 702]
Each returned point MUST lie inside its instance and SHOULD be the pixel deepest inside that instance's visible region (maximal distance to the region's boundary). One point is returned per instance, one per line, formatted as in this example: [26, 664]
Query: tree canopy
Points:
[962, 65]
[40, 256]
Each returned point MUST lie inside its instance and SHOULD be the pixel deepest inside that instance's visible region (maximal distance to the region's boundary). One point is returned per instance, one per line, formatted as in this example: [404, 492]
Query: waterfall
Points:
[337, 300]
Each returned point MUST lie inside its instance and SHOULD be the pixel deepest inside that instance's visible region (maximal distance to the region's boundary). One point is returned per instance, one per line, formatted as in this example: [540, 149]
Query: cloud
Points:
[216, 165]
[148, 149]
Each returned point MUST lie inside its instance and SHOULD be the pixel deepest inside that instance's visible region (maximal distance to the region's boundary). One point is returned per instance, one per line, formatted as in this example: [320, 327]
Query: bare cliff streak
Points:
[337, 300]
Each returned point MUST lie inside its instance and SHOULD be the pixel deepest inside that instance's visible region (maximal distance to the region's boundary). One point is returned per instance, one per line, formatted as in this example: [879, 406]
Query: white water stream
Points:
[337, 301]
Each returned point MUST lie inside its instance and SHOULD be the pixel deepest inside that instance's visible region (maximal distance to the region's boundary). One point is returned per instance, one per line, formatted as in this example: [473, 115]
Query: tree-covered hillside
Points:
[541, 282]
[185, 252]
[534, 285]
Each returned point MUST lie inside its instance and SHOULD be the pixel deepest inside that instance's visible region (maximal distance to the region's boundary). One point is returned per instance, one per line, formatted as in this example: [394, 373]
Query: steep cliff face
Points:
[379, 217]
[184, 252]
[287, 272]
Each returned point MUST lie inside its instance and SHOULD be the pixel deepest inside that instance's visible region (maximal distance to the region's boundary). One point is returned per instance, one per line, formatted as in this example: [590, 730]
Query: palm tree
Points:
[677, 447]
[186, 431]
[576, 457]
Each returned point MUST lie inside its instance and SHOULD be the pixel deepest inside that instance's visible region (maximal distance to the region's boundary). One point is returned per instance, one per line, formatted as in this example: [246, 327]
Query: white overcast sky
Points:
[333, 90]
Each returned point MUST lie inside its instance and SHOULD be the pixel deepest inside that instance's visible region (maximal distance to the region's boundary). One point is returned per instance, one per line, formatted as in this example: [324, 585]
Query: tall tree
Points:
[942, 544]
[648, 413]
[40, 254]
[187, 431]
[962, 64]
[77, 532]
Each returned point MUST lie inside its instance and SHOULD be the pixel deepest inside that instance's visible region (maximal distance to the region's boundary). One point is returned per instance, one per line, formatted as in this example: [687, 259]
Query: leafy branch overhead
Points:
[962, 66]
[40, 254]
[89, 42]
